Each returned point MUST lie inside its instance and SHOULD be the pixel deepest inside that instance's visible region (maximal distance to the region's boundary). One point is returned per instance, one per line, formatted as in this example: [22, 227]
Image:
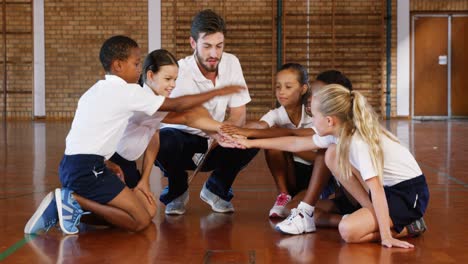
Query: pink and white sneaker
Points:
[279, 209]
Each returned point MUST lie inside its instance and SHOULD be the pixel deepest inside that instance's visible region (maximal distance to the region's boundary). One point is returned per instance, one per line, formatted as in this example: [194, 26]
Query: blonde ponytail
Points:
[357, 116]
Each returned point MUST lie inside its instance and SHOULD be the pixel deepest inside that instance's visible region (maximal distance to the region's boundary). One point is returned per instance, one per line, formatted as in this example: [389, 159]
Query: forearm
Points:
[183, 103]
[149, 157]
[237, 120]
[201, 119]
[379, 202]
[279, 132]
[290, 144]
[237, 116]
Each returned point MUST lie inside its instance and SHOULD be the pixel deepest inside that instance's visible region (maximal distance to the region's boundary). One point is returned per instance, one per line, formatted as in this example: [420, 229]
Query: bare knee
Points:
[140, 224]
[347, 232]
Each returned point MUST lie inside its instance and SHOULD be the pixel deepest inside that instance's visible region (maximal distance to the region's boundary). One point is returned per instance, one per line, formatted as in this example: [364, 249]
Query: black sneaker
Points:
[417, 227]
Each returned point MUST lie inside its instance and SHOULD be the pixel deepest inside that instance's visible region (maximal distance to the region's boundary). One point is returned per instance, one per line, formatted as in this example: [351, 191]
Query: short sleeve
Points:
[271, 118]
[361, 159]
[144, 101]
[237, 78]
[323, 142]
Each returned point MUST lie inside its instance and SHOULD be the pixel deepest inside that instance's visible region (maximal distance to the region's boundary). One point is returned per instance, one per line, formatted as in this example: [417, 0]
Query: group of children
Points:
[377, 192]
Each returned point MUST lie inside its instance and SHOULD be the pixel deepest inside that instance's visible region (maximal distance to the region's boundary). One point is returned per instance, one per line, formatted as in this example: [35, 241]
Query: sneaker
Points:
[45, 216]
[416, 228]
[217, 204]
[177, 206]
[298, 222]
[279, 209]
[69, 211]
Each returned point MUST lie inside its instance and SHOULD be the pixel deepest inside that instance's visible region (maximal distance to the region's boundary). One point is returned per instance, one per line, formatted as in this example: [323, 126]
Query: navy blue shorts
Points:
[344, 205]
[407, 201]
[303, 173]
[88, 176]
[131, 173]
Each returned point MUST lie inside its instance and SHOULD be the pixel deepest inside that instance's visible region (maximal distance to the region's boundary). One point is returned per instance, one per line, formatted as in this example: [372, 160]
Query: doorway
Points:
[439, 55]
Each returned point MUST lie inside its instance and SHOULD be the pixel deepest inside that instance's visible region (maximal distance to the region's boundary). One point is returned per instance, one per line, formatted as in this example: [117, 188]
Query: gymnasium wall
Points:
[348, 35]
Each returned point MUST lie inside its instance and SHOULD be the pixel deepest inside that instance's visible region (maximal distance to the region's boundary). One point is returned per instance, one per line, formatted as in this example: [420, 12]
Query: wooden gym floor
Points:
[31, 151]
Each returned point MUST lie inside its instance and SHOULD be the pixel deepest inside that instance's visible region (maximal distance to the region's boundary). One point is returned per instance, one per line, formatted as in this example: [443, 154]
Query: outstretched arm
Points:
[237, 116]
[262, 130]
[290, 144]
[197, 117]
[183, 103]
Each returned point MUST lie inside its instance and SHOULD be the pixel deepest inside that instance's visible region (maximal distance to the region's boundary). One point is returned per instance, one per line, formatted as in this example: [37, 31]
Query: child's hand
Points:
[242, 141]
[390, 242]
[115, 169]
[230, 129]
[225, 141]
[230, 89]
[146, 190]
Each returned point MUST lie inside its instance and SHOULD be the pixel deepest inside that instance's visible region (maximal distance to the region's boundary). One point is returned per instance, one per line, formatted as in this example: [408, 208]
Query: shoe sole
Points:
[58, 200]
[275, 215]
[212, 207]
[177, 212]
[39, 212]
[277, 228]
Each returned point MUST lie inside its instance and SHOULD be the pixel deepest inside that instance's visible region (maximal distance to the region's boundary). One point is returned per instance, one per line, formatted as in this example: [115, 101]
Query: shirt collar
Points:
[111, 77]
[147, 88]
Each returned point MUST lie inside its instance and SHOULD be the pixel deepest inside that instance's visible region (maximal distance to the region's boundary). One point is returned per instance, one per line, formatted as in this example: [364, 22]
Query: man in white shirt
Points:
[207, 69]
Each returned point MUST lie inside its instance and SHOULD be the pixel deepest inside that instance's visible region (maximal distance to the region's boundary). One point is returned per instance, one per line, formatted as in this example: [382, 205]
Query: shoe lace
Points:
[50, 223]
[77, 212]
[282, 199]
[294, 212]
[77, 216]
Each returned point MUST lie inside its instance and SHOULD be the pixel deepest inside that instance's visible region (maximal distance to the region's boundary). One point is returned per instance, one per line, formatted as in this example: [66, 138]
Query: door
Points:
[430, 66]
[459, 65]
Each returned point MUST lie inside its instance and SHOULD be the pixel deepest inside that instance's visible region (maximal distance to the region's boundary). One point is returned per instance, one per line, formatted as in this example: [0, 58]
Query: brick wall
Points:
[18, 59]
[342, 35]
[74, 33]
[347, 35]
[438, 5]
[250, 33]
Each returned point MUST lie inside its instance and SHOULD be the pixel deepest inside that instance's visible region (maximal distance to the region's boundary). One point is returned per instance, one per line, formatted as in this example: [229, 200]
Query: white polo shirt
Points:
[279, 117]
[192, 81]
[399, 163]
[138, 133]
[102, 115]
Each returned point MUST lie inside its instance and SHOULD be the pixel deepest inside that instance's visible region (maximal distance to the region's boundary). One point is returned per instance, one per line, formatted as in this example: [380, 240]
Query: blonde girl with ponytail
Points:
[370, 163]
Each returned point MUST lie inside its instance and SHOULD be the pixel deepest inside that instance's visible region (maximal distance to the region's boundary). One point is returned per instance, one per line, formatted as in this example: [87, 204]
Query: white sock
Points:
[309, 209]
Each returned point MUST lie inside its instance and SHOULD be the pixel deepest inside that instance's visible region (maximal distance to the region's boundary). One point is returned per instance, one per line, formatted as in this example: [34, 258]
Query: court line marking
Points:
[444, 174]
[16, 246]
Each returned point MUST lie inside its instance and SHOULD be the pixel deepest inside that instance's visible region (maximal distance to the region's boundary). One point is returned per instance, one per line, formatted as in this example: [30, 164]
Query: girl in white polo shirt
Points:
[369, 162]
[291, 171]
[141, 136]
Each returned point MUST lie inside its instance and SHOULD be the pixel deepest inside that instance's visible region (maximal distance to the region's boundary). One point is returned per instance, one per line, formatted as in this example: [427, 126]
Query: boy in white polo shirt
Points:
[88, 179]
[206, 70]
